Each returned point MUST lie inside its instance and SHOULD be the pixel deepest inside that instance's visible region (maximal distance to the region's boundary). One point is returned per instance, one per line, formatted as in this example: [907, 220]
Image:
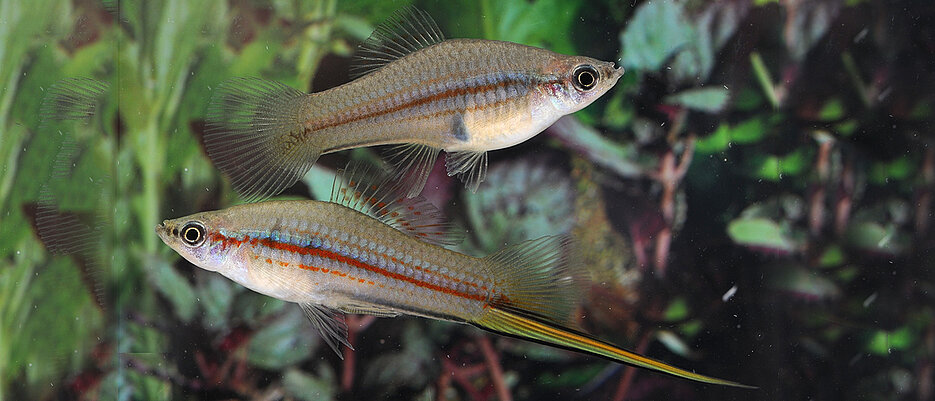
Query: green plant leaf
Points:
[832, 256]
[215, 295]
[285, 342]
[768, 168]
[657, 31]
[876, 237]
[571, 378]
[884, 342]
[543, 23]
[710, 100]
[759, 232]
[802, 282]
[320, 181]
[619, 157]
[520, 200]
[895, 170]
[678, 309]
[174, 287]
[406, 367]
[256, 56]
[749, 131]
[716, 142]
[310, 388]
[619, 112]
[536, 352]
[253, 307]
[832, 110]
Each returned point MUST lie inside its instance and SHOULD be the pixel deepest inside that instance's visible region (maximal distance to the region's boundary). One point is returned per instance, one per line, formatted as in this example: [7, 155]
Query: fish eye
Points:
[585, 77]
[193, 234]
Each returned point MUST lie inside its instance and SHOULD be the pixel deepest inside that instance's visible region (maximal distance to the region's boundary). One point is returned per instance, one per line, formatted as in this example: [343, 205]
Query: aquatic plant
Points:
[756, 195]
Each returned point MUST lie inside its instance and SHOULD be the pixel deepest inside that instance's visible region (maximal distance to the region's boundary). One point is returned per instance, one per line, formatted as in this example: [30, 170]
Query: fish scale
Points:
[422, 287]
[463, 96]
[409, 105]
[348, 111]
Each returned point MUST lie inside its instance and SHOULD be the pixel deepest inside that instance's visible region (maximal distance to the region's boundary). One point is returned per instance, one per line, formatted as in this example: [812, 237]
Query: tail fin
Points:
[541, 288]
[515, 322]
[255, 136]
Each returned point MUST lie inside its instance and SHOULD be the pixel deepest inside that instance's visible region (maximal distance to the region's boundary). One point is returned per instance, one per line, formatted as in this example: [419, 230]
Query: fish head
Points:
[577, 81]
[196, 238]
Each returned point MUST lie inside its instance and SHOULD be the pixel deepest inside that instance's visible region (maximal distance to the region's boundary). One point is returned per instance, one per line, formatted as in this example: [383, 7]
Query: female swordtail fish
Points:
[415, 90]
[372, 250]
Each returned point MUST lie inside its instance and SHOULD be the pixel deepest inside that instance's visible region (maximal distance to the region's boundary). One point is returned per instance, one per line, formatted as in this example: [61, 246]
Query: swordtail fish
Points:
[373, 250]
[414, 90]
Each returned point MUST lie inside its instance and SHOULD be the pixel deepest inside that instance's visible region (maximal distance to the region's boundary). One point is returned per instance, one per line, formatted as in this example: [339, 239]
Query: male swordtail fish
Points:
[415, 90]
[373, 250]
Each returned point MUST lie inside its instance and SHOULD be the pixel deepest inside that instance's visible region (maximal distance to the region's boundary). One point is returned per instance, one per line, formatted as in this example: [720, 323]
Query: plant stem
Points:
[153, 158]
[763, 77]
[854, 74]
[487, 17]
[496, 371]
[630, 372]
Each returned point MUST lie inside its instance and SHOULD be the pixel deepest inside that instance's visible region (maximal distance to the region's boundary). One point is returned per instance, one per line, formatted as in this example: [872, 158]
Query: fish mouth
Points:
[611, 71]
[162, 230]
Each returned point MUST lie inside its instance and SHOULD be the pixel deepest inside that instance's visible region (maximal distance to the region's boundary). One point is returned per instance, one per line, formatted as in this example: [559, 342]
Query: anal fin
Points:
[469, 166]
[330, 323]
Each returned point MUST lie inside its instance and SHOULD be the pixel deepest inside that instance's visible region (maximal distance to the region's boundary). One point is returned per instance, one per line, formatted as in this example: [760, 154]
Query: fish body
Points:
[416, 90]
[327, 254]
[456, 95]
[373, 250]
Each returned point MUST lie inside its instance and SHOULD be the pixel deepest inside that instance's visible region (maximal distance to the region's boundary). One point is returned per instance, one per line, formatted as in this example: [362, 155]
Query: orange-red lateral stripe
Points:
[228, 241]
[454, 92]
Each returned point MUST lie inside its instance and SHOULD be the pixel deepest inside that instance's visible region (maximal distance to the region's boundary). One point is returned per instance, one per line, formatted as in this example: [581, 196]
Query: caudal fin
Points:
[540, 288]
[515, 322]
[256, 136]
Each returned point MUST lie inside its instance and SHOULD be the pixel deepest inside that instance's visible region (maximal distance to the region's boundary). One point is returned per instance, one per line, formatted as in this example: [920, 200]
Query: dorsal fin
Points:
[404, 32]
[371, 191]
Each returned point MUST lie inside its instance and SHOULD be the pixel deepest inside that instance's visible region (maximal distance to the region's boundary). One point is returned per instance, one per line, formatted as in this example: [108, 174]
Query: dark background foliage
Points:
[753, 199]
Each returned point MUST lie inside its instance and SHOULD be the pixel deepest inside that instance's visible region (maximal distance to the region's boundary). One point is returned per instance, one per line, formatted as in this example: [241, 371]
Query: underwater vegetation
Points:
[753, 201]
